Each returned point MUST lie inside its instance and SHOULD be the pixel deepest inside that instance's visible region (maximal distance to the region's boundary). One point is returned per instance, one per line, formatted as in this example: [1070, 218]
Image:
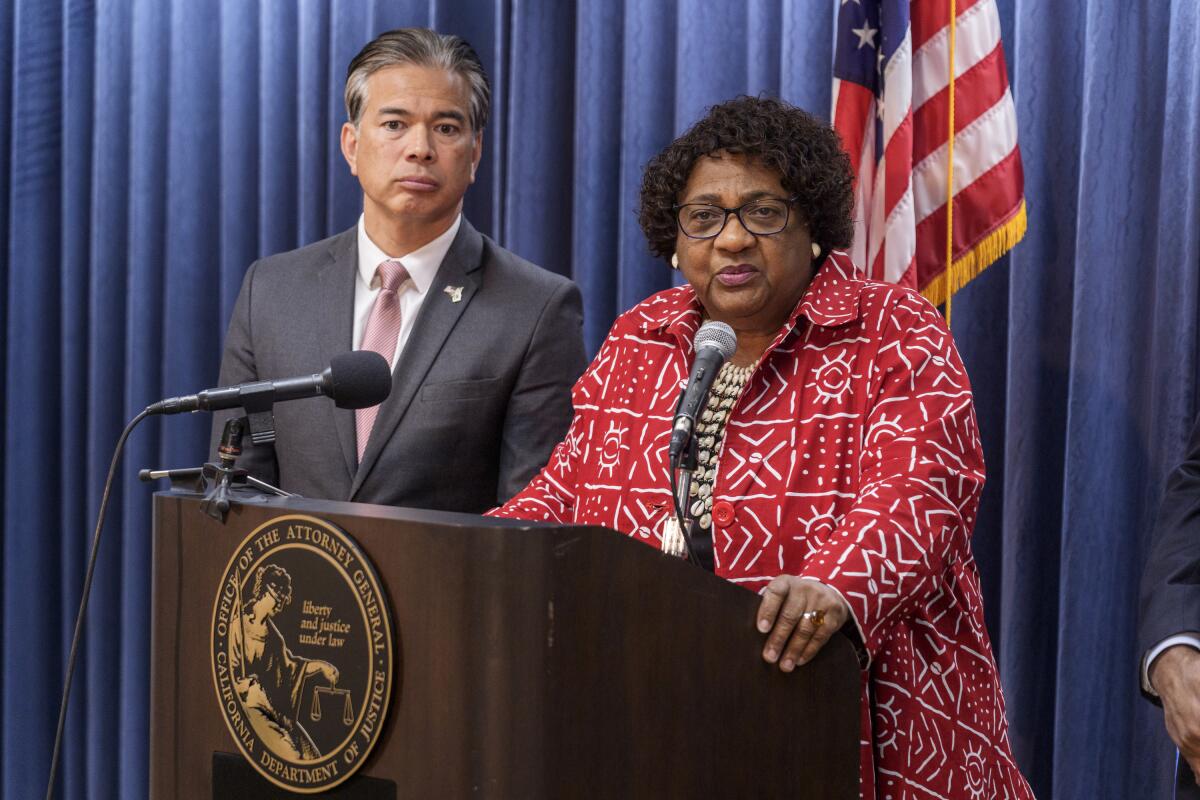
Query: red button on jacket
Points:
[722, 513]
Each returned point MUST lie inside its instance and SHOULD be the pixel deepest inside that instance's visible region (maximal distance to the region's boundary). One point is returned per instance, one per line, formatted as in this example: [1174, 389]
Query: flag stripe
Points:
[854, 102]
[978, 148]
[975, 92]
[876, 220]
[901, 240]
[899, 153]
[897, 97]
[978, 210]
[975, 36]
[929, 17]
[862, 198]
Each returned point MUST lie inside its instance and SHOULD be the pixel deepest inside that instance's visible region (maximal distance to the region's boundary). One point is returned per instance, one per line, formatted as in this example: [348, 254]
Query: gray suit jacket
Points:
[480, 396]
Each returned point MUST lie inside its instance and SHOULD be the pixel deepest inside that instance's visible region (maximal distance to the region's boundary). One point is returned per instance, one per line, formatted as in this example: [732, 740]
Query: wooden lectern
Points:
[533, 661]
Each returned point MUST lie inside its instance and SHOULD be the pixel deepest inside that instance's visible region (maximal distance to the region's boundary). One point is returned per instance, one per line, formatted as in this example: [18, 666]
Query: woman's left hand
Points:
[791, 609]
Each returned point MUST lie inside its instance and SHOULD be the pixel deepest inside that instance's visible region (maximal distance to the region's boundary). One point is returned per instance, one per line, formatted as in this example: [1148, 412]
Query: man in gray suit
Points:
[484, 346]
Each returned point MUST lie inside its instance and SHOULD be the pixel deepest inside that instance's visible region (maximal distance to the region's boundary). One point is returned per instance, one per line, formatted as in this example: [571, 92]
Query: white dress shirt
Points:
[1188, 639]
[422, 265]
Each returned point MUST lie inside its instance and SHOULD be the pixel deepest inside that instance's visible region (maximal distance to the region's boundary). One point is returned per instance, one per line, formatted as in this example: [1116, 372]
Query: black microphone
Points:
[714, 342]
[359, 379]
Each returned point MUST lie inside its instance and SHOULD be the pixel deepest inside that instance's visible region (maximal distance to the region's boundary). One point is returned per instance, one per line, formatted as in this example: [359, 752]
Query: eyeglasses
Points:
[761, 217]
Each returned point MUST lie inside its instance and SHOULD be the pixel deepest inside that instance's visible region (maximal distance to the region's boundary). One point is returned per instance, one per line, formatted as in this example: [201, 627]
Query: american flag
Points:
[892, 106]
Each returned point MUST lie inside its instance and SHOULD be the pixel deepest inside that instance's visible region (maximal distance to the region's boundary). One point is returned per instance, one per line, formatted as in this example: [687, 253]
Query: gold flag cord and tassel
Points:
[976, 260]
[950, 172]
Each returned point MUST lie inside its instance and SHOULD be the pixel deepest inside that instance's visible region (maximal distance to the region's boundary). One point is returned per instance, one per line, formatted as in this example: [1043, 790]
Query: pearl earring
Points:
[674, 260]
[816, 248]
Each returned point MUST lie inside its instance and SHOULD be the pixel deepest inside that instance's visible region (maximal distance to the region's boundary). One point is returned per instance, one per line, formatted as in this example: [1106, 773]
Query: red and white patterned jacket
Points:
[851, 457]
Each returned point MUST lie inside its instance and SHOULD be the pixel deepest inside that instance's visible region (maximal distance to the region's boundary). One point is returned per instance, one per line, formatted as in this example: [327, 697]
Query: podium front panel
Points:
[531, 661]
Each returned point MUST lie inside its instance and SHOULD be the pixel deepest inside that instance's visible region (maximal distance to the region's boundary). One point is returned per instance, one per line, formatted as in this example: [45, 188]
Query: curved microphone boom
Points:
[714, 343]
[359, 379]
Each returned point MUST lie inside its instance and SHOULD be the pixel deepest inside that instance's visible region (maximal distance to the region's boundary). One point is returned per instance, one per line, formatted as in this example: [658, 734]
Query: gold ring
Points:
[815, 616]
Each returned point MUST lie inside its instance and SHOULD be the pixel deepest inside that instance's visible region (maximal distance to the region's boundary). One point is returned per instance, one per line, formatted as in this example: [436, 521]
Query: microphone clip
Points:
[259, 404]
[685, 459]
[216, 500]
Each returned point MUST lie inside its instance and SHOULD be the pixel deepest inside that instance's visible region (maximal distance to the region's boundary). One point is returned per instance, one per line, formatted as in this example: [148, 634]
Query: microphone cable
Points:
[83, 601]
[673, 470]
[682, 522]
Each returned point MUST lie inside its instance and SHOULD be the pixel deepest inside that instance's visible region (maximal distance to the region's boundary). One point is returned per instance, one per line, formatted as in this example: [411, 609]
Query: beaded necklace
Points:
[710, 430]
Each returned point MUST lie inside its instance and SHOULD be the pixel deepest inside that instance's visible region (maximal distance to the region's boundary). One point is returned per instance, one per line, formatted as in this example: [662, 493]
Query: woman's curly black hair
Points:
[805, 152]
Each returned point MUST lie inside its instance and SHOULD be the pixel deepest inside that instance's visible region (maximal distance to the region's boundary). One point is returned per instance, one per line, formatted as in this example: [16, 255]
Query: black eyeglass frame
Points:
[787, 202]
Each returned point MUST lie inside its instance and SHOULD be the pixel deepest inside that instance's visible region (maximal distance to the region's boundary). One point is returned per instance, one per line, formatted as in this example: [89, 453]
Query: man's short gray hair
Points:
[424, 48]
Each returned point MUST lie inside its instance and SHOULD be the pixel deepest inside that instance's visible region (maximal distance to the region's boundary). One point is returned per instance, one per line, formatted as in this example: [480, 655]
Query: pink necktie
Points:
[383, 329]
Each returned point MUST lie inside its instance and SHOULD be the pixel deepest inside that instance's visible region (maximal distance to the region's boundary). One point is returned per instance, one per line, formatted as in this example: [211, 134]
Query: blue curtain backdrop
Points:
[151, 149]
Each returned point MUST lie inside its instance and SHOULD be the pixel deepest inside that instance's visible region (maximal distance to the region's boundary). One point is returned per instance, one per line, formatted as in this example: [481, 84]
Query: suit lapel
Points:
[436, 319]
[335, 327]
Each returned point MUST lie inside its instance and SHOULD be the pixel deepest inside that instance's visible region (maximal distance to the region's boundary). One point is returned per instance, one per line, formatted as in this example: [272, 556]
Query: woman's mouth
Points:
[736, 275]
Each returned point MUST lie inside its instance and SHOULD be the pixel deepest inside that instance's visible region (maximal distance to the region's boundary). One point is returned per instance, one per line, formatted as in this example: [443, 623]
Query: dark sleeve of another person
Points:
[1170, 592]
[539, 410]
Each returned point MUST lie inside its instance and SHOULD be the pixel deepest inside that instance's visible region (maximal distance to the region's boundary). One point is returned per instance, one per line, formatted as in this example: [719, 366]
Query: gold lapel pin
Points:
[455, 293]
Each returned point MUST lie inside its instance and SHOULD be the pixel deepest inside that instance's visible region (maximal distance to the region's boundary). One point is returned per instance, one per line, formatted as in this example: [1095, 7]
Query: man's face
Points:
[413, 150]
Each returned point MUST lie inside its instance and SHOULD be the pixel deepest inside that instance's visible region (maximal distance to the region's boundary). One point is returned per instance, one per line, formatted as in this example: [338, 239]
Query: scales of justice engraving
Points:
[347, 705]
[270, 678]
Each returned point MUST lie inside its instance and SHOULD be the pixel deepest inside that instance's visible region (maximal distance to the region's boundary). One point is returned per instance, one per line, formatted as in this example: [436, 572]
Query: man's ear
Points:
[478, 154]
[350, 147]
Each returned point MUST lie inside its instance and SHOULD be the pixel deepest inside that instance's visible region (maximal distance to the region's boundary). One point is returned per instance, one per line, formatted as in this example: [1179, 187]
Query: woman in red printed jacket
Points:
[838, 466]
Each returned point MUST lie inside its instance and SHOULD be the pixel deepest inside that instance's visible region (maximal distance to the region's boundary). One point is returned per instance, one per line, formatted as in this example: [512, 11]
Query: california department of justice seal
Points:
[302, 653]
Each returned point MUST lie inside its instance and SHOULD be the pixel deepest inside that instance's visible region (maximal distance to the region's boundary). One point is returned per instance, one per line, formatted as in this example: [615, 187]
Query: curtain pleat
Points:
[316, 123]
[278, 128]
[239, 121]
[154, 148]
[36, 547]
[349, 29]
[596, 170]
[647, 125]
[140, 260]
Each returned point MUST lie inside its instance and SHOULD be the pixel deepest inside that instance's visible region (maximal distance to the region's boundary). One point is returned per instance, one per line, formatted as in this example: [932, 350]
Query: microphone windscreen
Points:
[718, 335]
[359, 379]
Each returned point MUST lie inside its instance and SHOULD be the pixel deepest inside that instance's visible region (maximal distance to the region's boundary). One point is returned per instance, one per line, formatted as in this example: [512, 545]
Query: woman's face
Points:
[749, 282]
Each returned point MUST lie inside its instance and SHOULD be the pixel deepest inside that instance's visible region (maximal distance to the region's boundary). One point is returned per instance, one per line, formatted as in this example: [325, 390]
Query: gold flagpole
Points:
[949, 274]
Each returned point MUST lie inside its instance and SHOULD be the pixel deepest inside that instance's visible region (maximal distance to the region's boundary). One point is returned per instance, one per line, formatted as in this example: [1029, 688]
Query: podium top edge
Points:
[308, 505]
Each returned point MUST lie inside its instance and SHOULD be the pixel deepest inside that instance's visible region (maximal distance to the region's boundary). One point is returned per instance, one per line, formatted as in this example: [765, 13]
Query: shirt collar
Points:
[422, 264]
[832, 297]
[830, 300]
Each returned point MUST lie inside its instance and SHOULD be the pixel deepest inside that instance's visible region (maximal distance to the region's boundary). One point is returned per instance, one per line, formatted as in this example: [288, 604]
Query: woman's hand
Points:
[801, 615]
